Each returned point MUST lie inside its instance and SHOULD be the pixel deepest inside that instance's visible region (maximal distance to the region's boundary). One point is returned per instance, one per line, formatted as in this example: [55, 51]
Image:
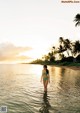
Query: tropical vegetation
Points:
[66, 53]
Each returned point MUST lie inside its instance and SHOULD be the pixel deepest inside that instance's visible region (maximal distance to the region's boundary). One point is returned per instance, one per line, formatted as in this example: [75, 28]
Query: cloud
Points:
[10, 52]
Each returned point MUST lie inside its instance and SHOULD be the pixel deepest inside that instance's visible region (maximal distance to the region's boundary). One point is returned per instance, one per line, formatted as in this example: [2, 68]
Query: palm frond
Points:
[77, 20]
[77, 24]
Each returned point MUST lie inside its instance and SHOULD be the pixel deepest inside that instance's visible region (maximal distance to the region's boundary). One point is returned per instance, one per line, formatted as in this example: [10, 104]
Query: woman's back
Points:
[44, 74]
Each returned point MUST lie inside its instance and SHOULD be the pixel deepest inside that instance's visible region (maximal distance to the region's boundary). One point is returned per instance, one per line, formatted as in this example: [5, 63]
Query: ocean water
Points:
[22, 92]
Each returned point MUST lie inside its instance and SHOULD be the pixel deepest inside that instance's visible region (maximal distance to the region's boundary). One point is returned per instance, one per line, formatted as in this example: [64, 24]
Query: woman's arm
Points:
[41, 78]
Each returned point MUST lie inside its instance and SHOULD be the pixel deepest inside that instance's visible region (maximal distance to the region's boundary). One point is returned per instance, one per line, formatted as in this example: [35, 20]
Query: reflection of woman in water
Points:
[45, 77]
[45, 105]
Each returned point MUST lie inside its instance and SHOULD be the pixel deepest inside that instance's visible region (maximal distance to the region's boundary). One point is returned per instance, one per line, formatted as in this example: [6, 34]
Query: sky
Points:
[29, 28]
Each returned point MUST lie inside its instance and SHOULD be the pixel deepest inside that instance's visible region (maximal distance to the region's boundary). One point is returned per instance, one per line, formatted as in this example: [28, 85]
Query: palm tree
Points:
[61, 46]
[61, 56]
[54, 50]
[77, 20]
[61, 40]
[61, 49]
[51, 56]
[45, 58]
[65, 45]
[76, 48]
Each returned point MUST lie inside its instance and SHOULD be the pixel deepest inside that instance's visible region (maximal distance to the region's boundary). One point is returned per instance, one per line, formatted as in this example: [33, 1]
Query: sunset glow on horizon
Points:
[29, 28]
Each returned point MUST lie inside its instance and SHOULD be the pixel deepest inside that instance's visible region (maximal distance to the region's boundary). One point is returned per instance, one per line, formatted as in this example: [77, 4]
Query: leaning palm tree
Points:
[77, 20]
[65, 45]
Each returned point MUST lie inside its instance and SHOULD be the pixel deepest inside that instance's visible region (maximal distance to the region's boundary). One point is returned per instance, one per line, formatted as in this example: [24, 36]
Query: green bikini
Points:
[45, 75]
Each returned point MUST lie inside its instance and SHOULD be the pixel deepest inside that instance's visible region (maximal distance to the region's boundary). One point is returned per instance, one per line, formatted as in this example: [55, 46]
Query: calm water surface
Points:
[22, 92]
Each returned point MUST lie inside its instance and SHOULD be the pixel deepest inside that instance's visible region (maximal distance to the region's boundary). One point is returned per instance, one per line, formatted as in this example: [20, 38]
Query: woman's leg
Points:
[46, 83]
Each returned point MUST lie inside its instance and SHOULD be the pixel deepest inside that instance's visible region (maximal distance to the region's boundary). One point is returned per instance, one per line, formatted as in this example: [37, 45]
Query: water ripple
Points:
[22, 92]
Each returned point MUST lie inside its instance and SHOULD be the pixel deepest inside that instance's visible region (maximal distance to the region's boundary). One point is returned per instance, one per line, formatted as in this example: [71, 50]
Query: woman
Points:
[45, 77]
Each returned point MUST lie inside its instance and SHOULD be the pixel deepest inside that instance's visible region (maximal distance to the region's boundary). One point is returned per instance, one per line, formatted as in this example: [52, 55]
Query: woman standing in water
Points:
[45, 77]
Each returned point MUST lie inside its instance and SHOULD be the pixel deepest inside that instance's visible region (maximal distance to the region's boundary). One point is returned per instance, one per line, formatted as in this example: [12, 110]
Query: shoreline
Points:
[70, 67]
[73, 66]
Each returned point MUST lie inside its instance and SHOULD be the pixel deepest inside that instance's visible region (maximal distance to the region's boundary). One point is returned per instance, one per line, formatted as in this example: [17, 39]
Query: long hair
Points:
[47, 71]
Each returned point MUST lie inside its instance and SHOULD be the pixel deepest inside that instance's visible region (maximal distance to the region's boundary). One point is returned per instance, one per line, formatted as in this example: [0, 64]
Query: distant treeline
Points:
[66, 51]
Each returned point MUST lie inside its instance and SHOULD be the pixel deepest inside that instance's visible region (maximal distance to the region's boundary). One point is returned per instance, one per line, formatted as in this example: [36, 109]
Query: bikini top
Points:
[44, 72]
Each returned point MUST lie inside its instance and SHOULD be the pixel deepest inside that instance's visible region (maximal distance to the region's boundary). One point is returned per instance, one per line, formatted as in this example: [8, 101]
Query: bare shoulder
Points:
[43, 71]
